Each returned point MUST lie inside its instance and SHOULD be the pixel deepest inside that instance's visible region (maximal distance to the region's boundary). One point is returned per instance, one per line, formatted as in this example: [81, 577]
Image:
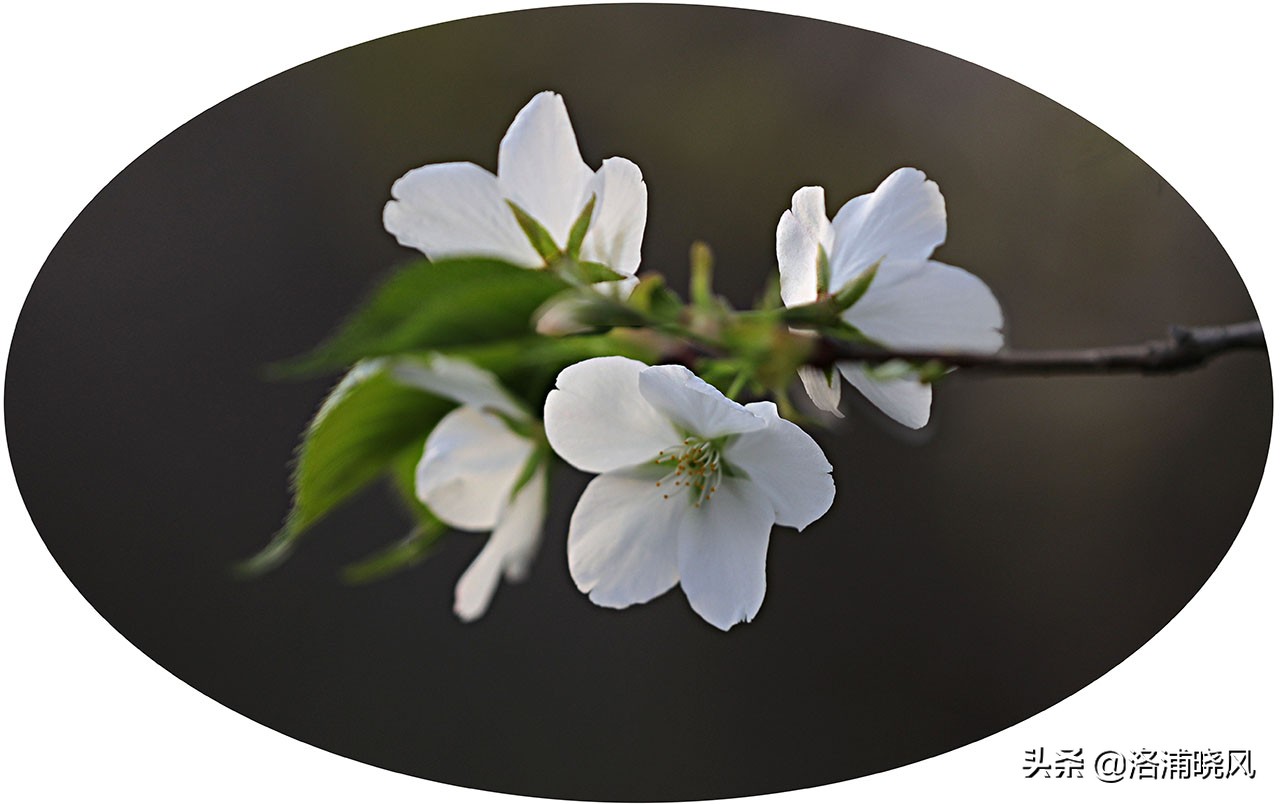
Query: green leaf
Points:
[367, 423]
[434, 305]
[370, 425]
[538, 236]
[419, 543]
[407, 552]
[527, 366]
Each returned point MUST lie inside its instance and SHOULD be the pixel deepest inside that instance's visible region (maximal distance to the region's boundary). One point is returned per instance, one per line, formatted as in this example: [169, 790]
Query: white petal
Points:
[520, 531]
[906, 400]
[540, 167]
[597, 420]
[456, 210]
[801, 231]
[470, 464]
[786, 466]
[722, 553]
[822, 388]
[623, 539]
[617, 224]
[904, 218]
[693, 404]
[809, 205]
[459, 380]
[928, 305]
[475, 588]
[507, 552]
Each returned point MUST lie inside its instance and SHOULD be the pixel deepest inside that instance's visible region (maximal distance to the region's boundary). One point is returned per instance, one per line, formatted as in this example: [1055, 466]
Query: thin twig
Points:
[1184, 348]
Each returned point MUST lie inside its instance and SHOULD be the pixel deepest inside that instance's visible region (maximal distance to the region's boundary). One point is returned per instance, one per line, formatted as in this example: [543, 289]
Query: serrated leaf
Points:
[366, 423]
[434, 305]
[371, 425]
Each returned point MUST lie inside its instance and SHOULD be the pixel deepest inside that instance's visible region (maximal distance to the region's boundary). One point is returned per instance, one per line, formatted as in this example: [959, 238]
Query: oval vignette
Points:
[1039, 533]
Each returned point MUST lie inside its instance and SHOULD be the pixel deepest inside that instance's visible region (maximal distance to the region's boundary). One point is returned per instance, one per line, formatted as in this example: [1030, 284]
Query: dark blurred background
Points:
[1035, 535]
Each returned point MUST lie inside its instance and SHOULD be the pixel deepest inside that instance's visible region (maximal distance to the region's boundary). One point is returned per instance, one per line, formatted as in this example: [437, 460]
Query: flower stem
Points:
[1184, 348]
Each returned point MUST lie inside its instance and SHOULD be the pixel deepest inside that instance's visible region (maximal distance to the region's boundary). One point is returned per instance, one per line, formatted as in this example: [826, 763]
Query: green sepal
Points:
[538, 236]
[539, 458]
[701, 273]
[397, 556]
[268, 558]
[812, 315]
[653, 298]
[771, 297]
[576, 272]
[891, 370]
[526, 428]
[720, 373]
[850, 293]
[933, 370]
[847, 332]
[578, 232]
[824, 272]
[598, 272]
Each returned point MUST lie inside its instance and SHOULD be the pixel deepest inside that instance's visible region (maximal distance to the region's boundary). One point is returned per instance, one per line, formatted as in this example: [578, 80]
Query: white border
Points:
[89, 86]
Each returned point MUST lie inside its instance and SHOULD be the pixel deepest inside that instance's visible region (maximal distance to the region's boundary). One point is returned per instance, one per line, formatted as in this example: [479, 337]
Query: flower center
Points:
[693, 465]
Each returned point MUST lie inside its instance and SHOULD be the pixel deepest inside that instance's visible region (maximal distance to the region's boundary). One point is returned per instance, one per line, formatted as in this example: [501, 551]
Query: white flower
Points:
[912, 303]
[690, 486]
[458, 209]
[469, 471]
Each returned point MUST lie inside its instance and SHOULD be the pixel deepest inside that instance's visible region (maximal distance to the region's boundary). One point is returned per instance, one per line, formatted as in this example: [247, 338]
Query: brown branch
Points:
[1184, 348]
